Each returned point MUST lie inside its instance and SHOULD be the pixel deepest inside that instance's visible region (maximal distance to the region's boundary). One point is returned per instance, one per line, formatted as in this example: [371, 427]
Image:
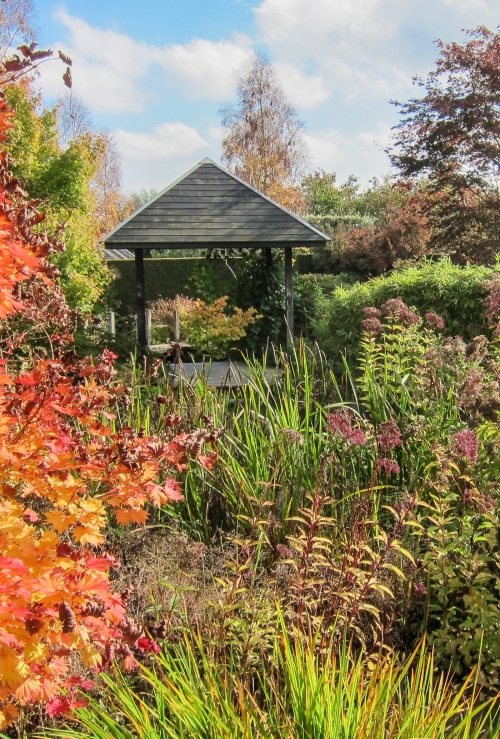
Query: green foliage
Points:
[168, 277]
[308, 290]
[260, 285]
[453, 292]
[61, 179]
[462, 564]
[369, 228]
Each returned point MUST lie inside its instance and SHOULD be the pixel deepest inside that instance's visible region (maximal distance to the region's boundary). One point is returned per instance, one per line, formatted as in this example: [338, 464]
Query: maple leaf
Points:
[8, 714]
[126, 516]
[173, 490]
[30, 691]
[207, 462]
[61, 705]
[88, 535]
[144, 644]
[91, 656]
[60, 521]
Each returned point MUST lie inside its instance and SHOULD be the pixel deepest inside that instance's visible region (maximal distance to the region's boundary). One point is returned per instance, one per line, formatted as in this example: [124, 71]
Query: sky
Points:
[155, 73]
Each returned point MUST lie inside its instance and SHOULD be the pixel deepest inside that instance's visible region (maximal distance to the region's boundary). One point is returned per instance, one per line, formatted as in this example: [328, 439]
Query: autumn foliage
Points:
[65, 467]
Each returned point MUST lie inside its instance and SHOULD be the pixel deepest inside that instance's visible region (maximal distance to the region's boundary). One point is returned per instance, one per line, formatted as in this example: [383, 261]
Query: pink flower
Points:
[397, 310]
[434, 320]
[340, 423]
[372, 325]
[390, 466]
[419, 588]
[357, 437]
[390, 435]
[466, 444]
[372, 312]
[284, 551]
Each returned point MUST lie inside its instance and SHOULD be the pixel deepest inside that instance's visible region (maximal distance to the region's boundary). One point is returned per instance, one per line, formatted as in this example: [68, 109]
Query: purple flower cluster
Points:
[390, 435]
[419, 588]
[466, 444]
[434, 320]
[390, 466]
[340, 423]
[372, 324]
[492, 302]
[284, 551]
[397, 310]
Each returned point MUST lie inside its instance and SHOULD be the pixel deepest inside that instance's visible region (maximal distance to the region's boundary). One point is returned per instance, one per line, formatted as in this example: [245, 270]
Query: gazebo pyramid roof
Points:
[209, 206]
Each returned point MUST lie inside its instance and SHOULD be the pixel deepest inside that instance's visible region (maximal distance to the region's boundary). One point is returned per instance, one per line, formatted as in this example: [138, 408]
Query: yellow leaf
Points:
[35, 650]
[91, 656]
[60, 521]
[125, 516]
[88, 535]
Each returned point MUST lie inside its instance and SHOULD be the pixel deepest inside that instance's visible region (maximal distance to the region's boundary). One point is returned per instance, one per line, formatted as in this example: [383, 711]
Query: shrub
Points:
[66, 464]
[455, 293]
[208, 328]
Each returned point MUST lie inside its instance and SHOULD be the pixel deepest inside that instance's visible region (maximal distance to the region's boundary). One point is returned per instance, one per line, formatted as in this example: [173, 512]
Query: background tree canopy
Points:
[450, 136]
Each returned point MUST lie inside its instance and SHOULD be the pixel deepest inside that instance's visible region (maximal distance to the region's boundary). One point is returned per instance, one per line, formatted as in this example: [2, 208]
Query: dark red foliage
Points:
[451, 137]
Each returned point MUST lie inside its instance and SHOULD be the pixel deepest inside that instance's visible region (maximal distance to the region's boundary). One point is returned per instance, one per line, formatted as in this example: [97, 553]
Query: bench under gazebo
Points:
[205, 208]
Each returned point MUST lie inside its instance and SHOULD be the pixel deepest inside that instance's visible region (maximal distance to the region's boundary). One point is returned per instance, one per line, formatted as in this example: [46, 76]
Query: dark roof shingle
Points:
[208, 207]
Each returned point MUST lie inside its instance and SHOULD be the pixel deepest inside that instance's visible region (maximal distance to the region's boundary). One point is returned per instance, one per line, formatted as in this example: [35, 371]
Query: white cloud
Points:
[112, 71]
[307, 25]
[360, 153]
[109, 68]
[364, 49]
[167, 141]
[205, 69]
[216, 133]
[302, 90]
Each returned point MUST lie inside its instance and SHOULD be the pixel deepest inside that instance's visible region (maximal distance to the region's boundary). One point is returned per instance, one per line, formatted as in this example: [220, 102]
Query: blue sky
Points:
[156, 72]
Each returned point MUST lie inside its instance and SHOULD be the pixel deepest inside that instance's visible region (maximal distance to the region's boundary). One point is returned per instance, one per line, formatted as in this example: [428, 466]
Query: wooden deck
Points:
[219, 374]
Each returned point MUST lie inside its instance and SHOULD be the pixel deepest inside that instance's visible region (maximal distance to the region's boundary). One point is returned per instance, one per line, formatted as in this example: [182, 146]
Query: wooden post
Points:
[289, 295]
[147, 313]
[112, 324]
[177, 327]
[141, 299]
[269, 257]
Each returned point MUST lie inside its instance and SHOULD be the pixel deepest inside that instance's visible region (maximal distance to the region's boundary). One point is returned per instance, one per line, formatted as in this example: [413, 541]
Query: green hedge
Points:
[166, 278]
[453, 292]
[195, 277]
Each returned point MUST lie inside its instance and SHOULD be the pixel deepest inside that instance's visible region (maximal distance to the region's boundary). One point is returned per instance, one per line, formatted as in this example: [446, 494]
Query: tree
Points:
[263, 143]
[61, 178]
[74, 118]
[66, 464]
[371, 228]
[110, 205]
[451, 136]
[16, 25]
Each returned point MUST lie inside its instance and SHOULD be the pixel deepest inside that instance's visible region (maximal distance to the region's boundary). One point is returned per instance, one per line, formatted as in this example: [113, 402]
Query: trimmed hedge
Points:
[455, 293]
[195, 277]
[166, 278]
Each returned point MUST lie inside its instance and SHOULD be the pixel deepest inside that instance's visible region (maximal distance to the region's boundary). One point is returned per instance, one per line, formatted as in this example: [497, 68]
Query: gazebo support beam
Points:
[289, 295]
[141, 298]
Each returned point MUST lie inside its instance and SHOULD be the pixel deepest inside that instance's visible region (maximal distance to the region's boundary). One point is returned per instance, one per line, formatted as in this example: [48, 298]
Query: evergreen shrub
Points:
[453, 292]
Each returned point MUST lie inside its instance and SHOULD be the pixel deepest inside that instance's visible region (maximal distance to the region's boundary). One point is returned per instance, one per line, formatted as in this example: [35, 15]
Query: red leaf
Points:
[67, 78]
[144, 644]
[65, 59]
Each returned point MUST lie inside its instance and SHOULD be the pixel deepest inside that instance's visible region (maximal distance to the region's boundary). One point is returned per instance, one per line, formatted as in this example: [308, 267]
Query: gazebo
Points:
[210, 207]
